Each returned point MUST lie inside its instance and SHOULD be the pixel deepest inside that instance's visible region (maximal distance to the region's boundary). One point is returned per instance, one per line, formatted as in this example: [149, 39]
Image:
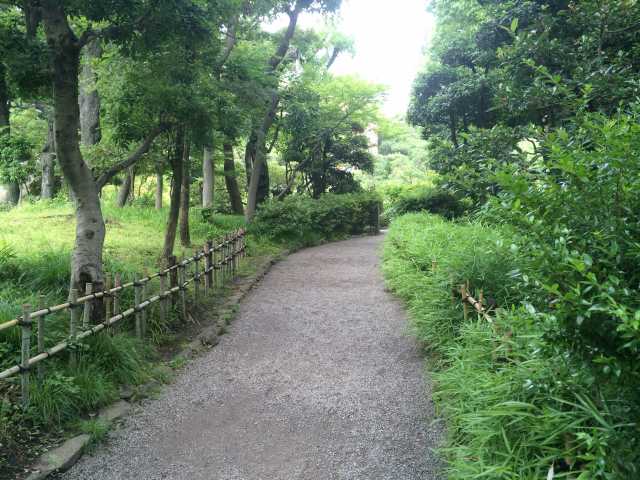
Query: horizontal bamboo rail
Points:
[222, 259]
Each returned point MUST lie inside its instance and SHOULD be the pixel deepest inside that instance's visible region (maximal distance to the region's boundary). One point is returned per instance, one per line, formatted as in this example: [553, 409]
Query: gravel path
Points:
[317, 380]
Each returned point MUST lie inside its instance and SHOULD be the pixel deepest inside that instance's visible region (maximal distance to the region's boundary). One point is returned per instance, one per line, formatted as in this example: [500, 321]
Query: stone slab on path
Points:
[318, 380]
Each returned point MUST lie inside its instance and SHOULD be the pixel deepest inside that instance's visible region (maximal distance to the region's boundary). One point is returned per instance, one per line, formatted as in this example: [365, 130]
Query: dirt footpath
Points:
[317, 380]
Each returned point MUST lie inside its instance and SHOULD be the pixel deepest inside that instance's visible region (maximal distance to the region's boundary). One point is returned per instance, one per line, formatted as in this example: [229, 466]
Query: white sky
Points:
[390, 36]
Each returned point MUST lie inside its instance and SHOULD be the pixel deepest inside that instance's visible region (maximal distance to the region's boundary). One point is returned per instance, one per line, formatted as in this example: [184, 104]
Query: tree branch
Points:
[144, 147]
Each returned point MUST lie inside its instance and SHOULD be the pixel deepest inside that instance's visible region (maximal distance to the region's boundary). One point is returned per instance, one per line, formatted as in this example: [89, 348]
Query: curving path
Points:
[317, 380]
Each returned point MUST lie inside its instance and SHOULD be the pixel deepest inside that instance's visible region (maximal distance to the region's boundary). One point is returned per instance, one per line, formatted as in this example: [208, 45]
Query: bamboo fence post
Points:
[73, 325]
[116, 295]
[244, 243]
[234, 252]
[227, 256]
[137, 286]
[173, 277]
[87, 307]
[207, 266]
[215, 263]
[41, 306]
[196, 276]
[183, 288]
[117, 283]
[145, 295]
[223, 261]
[211, 274]
[108, 299]
[163, 298]
[25, 323]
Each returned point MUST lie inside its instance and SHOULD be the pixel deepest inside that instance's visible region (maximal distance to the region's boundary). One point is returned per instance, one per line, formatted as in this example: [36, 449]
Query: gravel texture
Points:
[317, 380]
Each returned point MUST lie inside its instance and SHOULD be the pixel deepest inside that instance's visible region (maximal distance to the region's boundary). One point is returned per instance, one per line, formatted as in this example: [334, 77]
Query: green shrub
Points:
[432, 200]
[516, 401]
[303, 221]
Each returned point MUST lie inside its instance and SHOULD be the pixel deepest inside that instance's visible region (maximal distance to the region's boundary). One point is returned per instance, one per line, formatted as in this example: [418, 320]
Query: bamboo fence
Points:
[216, 263]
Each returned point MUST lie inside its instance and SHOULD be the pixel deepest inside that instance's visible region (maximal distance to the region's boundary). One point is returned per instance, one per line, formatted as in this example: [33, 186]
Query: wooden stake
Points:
[173, 277]
[25, 323]
[207, 266]
[145, 295]
[41, 306]
[196, 276]
[214, 263]
[183, 293]
[116, 296]
[137, 286]
[87, 307]
[73, 325]
[164, 299]
[108, 299]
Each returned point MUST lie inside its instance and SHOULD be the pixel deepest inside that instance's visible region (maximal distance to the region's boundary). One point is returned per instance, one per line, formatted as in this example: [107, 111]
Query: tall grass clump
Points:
[518, 405]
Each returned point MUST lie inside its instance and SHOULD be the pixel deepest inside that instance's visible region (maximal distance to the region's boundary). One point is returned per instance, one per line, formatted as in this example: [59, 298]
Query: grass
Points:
[516, 404]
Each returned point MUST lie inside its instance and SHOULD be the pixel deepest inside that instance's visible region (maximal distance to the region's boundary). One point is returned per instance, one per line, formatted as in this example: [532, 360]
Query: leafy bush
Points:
[517, 402]
[432, 200]
[578, 208]
[303, 221]
[15, 153]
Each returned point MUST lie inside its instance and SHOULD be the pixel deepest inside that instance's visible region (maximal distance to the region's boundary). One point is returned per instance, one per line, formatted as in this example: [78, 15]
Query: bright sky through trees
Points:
[390, 36]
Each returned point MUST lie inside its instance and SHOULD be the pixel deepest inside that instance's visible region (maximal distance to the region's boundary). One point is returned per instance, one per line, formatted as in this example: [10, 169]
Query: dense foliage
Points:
[303, 221]
[517, 405]
[530, 112]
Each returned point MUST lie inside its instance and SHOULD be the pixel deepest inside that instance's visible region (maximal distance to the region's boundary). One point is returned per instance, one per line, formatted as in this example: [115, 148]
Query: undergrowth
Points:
[517, 404]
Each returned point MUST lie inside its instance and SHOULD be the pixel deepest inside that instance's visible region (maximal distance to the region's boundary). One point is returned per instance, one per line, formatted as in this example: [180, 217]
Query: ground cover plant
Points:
[518, 404]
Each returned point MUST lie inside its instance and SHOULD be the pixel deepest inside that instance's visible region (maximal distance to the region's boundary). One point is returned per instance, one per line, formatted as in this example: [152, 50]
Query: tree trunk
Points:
[259, 182]
[260, 174]
[47, 165]
[208, 178]
[13, 189]
[159, 188]
[231, 180]
[64, 48]
[89, 99]
[124, 193]
[176, 184]
[185, 196]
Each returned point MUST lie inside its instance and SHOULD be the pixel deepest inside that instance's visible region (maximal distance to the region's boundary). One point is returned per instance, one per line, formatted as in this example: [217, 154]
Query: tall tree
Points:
[65, 48]
[256, 149]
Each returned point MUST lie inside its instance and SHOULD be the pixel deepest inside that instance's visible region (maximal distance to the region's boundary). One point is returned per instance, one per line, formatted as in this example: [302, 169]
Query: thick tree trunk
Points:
[231, 180]
[64, 47]
[176, 187]
[208, 178]
[159, 188]
[124, 192]
[89, 99]
[258, 190]
[185, 196]
[47, 165]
